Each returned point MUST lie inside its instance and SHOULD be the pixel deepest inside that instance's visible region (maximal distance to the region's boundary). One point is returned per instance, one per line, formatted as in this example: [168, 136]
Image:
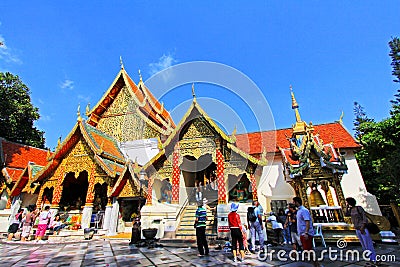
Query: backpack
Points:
[251, 215]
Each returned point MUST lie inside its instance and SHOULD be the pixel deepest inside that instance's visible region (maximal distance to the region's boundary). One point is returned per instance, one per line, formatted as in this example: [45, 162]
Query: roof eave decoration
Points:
[98, 149]
[121, 182]
[167, 123]
[110, 170]
[308, 144]
[262, 162]
[20, 180]
[60, 151]
[153, 160]
[184, 119]
[99, 103]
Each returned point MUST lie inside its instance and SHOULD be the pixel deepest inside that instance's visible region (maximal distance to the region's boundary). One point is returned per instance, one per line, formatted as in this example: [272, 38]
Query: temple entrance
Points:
[74, 191]
[200, 178]
[100, 197]
[47, 196]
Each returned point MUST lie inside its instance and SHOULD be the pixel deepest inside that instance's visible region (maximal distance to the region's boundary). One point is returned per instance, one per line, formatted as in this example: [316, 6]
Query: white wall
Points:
[353, 185]
[272, 185]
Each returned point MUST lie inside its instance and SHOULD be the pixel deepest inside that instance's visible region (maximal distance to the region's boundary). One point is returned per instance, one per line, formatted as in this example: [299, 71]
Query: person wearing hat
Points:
[200, 225]
[235, 226]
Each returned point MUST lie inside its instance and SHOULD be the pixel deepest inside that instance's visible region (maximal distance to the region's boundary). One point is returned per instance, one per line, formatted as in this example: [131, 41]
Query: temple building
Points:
[129, 160]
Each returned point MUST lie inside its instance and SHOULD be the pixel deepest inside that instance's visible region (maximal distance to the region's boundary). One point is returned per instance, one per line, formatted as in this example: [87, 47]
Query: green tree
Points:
[379, 158]
[17, 114]
[361, 117]
[394, 54]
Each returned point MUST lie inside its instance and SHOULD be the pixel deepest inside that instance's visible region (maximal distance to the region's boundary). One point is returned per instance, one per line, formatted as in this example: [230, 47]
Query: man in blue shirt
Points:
[256, 226]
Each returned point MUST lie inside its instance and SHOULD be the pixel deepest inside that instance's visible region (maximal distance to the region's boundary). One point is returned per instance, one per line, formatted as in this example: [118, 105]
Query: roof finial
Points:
[121, 63]
[341, 117]
[87, 109]
[78, 113]
[295, 106]
[193, 94]
[140, 76]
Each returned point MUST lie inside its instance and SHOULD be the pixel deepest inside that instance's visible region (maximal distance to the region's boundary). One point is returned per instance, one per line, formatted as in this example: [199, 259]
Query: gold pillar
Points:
[40, 197]
[90, 191]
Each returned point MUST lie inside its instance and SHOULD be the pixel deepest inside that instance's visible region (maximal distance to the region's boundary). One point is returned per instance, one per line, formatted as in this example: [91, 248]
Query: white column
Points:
[107, 217]
[86, 216]
[114, 218]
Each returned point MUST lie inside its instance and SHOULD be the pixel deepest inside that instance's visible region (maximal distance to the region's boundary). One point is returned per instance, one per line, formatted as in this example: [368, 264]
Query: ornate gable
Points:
[130, 112]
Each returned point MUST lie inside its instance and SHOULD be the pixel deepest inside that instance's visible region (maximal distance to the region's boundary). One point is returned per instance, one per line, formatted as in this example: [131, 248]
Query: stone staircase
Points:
[186, 229]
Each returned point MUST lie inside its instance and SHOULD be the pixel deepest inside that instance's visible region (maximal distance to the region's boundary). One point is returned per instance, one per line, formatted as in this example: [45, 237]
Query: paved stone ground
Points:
[118, 253]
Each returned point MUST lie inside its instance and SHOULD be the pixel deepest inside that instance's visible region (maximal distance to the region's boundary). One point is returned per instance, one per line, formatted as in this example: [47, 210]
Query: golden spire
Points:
[121, 63]
[87, 109]
[59, 142]
[78, 113]
[300, 126]
[295, 106]
[140, 76]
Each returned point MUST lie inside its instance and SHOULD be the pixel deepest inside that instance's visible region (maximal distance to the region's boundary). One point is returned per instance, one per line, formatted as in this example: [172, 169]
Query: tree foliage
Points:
[17, 114]
[379, 158]
[394, 54]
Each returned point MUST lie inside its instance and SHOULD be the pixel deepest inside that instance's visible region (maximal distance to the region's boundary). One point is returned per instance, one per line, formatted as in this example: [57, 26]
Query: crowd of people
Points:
[34, 221]
[291, 226]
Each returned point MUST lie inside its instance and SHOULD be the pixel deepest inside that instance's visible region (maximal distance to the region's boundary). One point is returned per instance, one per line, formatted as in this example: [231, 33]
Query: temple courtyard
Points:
[117, 252]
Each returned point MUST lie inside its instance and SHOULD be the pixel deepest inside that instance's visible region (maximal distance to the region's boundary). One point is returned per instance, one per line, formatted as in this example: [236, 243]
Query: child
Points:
[57, 224]
[245, 244]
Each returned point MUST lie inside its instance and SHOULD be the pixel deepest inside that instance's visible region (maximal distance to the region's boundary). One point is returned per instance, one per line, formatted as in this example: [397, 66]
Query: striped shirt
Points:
[201, 215]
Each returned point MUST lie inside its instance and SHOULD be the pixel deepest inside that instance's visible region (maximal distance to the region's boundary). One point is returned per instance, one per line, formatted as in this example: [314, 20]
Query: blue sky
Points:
[332, 52]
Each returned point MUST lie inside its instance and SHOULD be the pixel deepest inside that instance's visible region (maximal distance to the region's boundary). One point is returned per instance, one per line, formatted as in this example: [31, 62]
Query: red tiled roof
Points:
[17, 155]
[254, 143]
[14, 173]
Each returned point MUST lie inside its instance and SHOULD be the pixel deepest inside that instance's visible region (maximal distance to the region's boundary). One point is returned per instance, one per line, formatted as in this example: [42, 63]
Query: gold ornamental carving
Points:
[129, 190]
[124, 121]
[78, 159]
[197, 129]
[196, 147]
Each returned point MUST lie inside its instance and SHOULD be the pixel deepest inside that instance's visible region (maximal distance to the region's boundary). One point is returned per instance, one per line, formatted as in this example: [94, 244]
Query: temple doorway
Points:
[200, 178]
[47, 196]
[74, 191]
[100, 197]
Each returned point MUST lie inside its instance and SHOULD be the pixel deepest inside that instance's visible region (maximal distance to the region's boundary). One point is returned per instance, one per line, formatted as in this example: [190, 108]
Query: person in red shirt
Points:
[236, 233]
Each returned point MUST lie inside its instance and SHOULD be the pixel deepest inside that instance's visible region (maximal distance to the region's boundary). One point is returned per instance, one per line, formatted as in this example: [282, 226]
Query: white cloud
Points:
[164, 62]
[7, 54]
[67, 84]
